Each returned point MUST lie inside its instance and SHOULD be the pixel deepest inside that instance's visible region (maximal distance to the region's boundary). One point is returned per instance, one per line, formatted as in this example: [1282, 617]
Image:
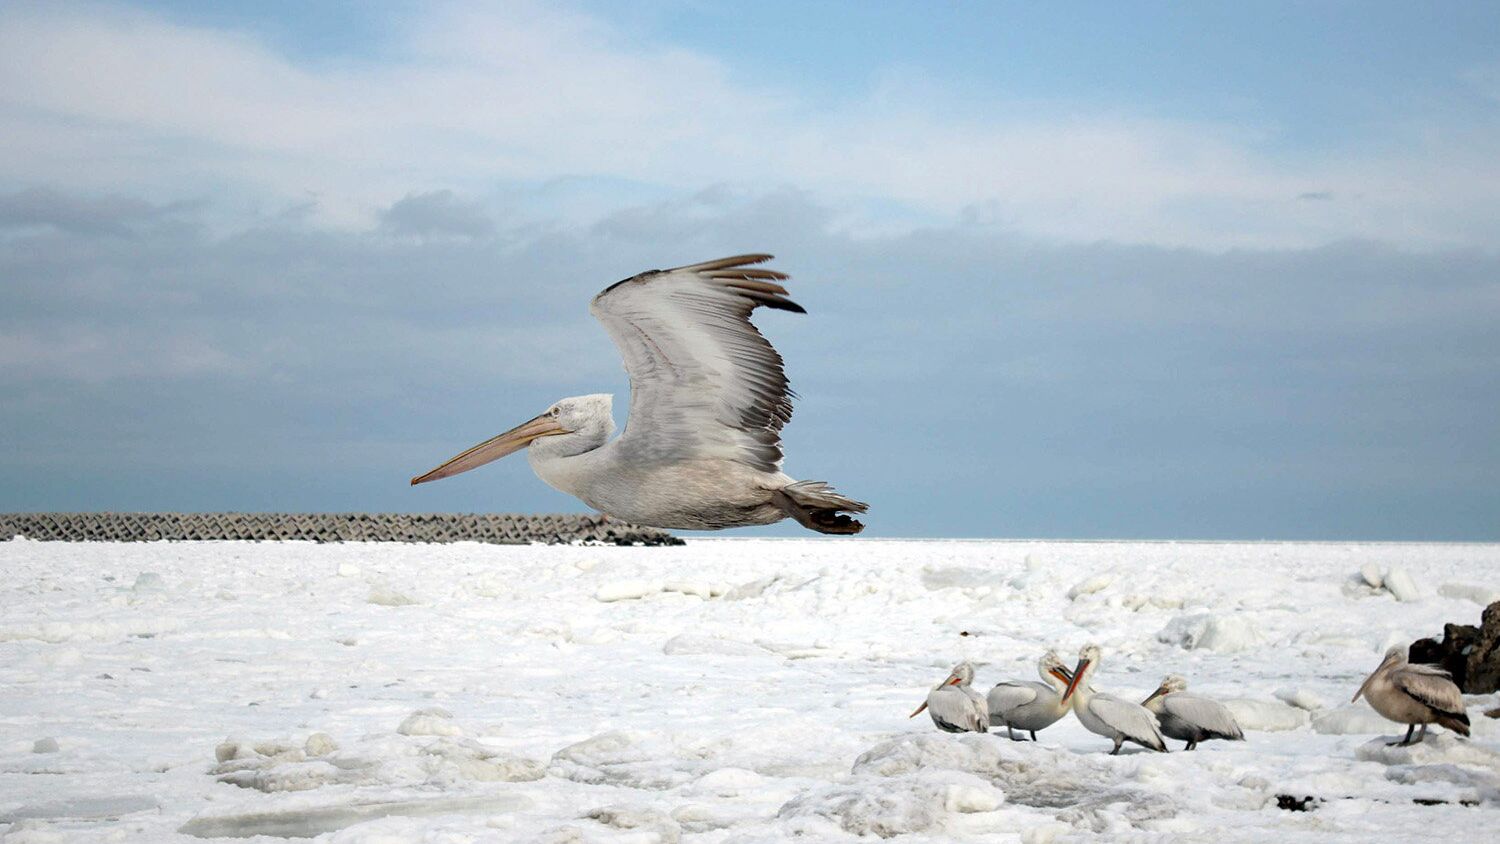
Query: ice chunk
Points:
[1030, 774]
[149, 581]
[1089, 586]
[82, 808]
[626, 590]
[429, 722]
[1370, 573]
[45, 745]
[1266, 716]
[753, 589]
[348, 569]
[893, 806]
[1401, 585]
[1301, 698]
[667, 830]
[1204, 631]
[700, 588]
[319, 744]
[385, 596]
[1481, 595]
[1350, 719]
[728, 782]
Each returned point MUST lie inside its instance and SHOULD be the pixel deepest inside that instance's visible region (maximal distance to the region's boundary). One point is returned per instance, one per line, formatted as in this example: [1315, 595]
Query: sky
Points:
[1090, 270]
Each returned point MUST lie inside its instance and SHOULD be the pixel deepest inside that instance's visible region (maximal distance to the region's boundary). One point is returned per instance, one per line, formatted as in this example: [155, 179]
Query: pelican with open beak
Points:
[954, 706]
[1029, 705]
[1102, 714]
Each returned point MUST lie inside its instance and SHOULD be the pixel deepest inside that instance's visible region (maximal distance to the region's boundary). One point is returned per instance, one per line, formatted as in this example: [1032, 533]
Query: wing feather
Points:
[704, 382]
[1133, 720]
[1430, 686]
[1207, 715]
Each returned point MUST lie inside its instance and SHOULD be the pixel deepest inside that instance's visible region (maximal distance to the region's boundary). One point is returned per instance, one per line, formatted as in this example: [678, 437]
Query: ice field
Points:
[728, 691]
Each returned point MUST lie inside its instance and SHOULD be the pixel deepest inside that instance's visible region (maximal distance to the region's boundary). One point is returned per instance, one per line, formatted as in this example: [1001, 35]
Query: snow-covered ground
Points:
[726, 691]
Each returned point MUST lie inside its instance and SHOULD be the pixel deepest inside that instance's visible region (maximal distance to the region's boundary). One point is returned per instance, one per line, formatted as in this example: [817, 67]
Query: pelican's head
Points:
[570, 426]
[1051, 666]
[961, 675]
[1394, 656]
[1170, 684]
[1088, 659]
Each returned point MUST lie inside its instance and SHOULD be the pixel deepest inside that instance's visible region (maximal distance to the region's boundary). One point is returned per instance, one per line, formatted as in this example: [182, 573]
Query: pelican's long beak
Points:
[919, 710]
[1073, 681]
[1160, 690]
[1364, 685]
[494, 448]
[1062, 674]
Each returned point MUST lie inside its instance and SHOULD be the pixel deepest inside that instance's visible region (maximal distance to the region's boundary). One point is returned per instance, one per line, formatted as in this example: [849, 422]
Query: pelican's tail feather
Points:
[816, 506]
[1458, 722]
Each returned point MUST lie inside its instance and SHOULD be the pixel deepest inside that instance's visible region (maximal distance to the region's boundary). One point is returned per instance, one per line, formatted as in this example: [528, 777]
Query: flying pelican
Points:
[1102, 714]
[708, 398]
[954, 706]
[1028, 704]
[1414, 694]
[1190, 718]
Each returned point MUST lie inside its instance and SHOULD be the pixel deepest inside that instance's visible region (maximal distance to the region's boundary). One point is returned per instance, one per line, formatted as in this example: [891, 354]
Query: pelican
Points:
[1030, 705]
[1414, 694]
[1190, 718]
[954, 706]
[1103, 714]
[708, 398]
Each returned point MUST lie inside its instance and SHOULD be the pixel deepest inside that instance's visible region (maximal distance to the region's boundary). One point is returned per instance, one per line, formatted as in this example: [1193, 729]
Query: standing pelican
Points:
[1030, 705]
[1414, 694]
[1102, 714]
[708, 398]
[954, 706]
[1190, 718]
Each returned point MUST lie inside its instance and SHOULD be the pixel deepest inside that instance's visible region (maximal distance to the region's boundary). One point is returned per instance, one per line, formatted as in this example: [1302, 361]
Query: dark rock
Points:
[1471, 655]
[1297, 804]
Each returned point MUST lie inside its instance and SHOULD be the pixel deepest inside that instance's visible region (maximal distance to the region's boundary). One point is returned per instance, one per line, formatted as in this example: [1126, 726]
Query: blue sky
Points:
[1133, 270]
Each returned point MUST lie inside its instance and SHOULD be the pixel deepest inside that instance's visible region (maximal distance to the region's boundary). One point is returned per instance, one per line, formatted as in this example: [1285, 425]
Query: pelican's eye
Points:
[553, 412]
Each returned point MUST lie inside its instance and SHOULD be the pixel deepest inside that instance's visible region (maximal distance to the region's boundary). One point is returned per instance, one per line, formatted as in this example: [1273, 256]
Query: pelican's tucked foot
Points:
[817, 507]
[1410, 728]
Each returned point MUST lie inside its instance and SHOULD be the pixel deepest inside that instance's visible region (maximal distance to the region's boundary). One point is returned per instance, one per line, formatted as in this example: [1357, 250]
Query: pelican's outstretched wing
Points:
[703, 381]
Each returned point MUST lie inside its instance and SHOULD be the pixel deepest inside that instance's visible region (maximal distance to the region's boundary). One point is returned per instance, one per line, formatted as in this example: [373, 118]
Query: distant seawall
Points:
[496, 528]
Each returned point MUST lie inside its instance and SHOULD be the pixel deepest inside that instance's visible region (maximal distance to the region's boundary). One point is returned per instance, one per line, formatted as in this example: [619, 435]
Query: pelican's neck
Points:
[1083, 692]
[564, 461]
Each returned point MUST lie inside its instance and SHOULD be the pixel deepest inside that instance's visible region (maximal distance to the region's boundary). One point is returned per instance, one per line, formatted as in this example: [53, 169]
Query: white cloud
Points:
[103, 99]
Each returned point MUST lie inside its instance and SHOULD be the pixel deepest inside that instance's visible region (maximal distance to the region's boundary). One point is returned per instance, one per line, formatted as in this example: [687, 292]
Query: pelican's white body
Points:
[1189, 717]
[1115, 718]
[1027, 704]
[954, 705]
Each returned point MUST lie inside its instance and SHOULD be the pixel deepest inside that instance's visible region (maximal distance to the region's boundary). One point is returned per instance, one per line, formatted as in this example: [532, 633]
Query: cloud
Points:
[437, 213]
[507, 101]
[77, 214]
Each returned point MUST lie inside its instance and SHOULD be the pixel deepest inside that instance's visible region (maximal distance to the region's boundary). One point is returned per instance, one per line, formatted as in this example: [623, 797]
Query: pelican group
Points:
[1102, 714]
[1027, 704]
[1414, 694]
[954, 706]
[1188, 717]
[708, 398]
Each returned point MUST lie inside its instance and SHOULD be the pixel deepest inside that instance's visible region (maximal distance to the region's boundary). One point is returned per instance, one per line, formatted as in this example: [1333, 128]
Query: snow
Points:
[727, 691]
